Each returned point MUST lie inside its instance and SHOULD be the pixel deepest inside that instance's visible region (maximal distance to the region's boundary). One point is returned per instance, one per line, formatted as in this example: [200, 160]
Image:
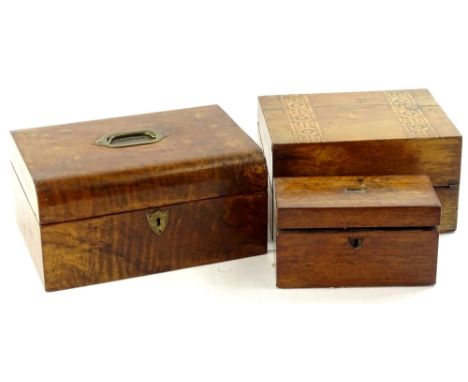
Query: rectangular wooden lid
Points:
[68, 172]
[355, 116]
[353, 201]
[393, 132]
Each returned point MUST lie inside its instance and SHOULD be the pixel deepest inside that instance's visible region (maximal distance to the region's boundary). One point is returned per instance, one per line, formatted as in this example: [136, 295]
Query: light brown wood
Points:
[28, 225]
[341, 202]
[401, 132]
[354, 116]
[326, 258]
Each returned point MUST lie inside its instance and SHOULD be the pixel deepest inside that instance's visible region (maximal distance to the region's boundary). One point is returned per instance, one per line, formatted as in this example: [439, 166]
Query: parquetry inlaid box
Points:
[356, 231]
[368, 133]
[116, 198]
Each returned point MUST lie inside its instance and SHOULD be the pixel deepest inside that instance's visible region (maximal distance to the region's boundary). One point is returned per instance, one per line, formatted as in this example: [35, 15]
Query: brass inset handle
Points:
[361, 189]
[131, 138]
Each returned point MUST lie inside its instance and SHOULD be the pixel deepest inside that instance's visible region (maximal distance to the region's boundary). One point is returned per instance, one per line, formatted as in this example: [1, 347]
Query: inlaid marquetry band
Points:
[410, 114]
[302, 119]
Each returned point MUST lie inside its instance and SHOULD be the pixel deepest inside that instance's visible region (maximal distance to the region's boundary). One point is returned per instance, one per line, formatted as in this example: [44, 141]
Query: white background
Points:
[71, 61]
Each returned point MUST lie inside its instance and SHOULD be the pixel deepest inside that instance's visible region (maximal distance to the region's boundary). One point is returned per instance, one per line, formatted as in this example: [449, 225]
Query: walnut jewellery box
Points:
[110, 199]
[402, 132]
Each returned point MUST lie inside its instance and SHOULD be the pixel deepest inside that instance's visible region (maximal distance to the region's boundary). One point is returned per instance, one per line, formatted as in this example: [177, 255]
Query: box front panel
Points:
[437, 158]
[356, 258]
[154, 240]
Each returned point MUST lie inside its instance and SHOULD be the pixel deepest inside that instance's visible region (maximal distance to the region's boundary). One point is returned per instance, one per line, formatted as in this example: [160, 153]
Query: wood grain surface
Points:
[448, 197]
[66, 176]
[344, 201]
[327, 259]
[118, 246]
[437, 158]
[355, 116]
[402, 132]
[83, 207]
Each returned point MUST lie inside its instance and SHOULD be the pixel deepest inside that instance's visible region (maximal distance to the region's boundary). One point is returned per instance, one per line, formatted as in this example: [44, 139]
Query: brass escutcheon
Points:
[158, 220]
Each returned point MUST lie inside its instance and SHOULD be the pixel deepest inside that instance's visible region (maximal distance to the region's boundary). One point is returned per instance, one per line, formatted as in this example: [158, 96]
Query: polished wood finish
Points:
[367, 133]
[69, 177]
[118, 246]
[356, 231]
[326, 258]
[345, 201]
[82, 208]
[448, 197]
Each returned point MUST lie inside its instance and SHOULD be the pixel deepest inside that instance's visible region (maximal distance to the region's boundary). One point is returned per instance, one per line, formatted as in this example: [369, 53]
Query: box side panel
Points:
[382, 258]
[23, 176]
[448, 197]
[273, 119]
[28, 225]
[265, 141]
[124, 245]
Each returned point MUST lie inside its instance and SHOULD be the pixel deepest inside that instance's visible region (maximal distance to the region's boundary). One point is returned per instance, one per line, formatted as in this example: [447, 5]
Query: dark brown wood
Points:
[356, 231]
[367, 133]
[82, 208]
[385, 258]
[67, 176]
[345, 201]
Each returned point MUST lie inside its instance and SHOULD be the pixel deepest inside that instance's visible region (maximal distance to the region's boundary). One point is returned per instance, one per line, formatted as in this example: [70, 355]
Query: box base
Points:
[356, 258]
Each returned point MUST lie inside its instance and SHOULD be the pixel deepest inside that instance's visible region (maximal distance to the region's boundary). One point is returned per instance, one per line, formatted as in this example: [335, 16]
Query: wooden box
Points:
[403, 132]
[356, 231]
[116, 198]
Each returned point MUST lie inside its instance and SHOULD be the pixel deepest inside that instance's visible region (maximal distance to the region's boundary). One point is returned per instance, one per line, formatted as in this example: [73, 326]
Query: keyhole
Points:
[157, 221]
[355, 242]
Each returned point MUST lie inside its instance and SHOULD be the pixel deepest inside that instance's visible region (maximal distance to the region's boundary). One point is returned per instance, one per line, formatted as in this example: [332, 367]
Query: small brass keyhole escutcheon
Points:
[158, 220]
[355, 242]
